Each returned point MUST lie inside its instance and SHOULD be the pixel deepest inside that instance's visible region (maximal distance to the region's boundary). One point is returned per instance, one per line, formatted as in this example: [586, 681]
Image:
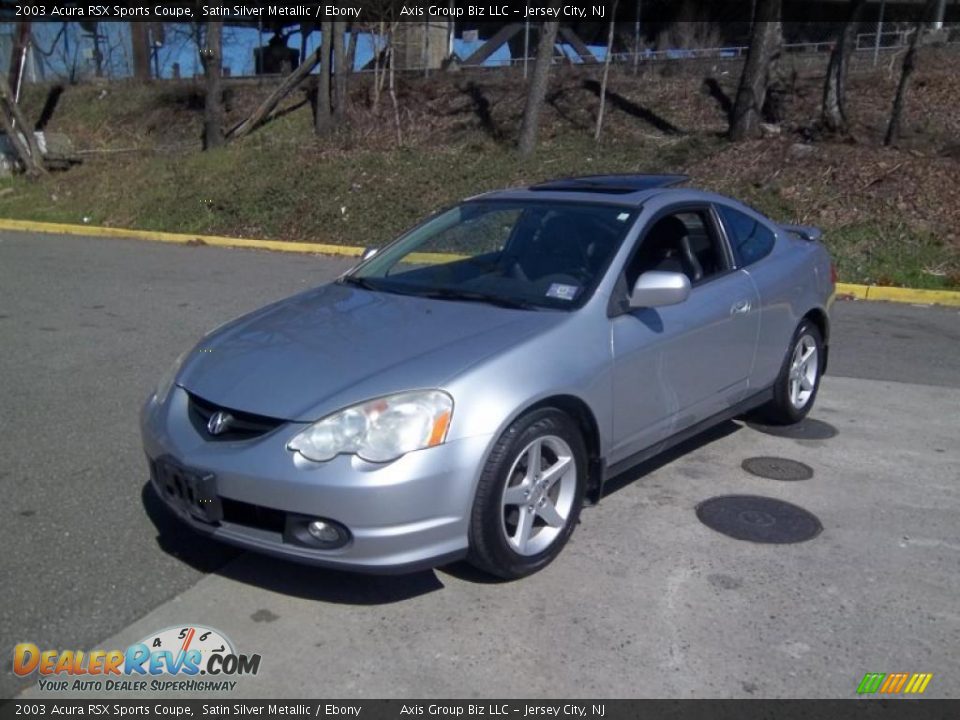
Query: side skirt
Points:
[741, 408]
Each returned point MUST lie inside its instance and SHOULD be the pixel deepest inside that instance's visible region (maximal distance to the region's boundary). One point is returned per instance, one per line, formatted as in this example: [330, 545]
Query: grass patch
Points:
[269, 188]
[891, 255]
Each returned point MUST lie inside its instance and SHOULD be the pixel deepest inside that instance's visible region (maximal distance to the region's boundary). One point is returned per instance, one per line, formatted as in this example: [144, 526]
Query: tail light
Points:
[833, 274]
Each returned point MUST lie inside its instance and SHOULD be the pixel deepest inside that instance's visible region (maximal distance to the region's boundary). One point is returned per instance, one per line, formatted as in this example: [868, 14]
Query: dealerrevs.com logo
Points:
[170, 660]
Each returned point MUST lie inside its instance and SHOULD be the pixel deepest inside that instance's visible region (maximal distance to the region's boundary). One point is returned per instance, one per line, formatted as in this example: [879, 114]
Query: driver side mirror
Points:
[656, 289]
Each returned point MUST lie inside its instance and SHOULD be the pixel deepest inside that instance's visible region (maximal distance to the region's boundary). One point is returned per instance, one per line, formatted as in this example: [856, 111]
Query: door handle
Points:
[740, 307]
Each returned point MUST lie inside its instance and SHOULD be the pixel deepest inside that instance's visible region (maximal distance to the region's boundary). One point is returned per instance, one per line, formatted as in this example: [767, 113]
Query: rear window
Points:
[751, 240]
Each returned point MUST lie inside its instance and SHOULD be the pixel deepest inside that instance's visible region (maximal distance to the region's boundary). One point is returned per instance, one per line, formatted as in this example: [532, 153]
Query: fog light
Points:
[319, 533]
[324, 532]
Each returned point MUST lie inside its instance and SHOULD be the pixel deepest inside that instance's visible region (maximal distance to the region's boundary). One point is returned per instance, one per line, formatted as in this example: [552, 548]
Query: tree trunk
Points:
[834, 112]
[267, 106]
[212, 57]
[377, 69]
[18, 52]
[140, 46]
[323, 119]
[764, 51]
[606, 73]
[537, 90]
[909, 64]
[352, 48]
[391, 58]
[340, 70]
[21, 137]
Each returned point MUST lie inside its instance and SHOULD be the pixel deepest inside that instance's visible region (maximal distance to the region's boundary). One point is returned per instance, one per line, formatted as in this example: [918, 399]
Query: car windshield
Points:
[523, 254]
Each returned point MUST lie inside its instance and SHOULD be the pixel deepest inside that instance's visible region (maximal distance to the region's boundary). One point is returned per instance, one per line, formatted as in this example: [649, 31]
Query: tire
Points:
[792, 402]
[507, 539]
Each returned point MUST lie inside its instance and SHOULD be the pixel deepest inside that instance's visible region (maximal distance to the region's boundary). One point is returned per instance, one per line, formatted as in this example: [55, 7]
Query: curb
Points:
[849, 291]
[179, 238]
[844, 290]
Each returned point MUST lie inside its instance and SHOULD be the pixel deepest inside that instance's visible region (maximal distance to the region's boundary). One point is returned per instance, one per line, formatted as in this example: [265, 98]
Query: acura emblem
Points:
[219, 422]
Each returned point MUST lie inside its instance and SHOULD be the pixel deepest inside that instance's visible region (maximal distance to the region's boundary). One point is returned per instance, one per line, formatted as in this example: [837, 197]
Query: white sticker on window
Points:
[623, 216]
[562, 292]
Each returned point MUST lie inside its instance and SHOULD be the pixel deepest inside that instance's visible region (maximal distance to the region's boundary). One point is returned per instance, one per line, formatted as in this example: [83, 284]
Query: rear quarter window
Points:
[751, 240]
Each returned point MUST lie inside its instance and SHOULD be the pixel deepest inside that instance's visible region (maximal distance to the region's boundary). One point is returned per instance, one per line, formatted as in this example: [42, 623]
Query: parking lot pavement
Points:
[646, 601]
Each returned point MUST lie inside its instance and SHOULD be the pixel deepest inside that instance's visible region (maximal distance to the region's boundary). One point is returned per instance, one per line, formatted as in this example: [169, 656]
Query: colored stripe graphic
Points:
[921, 682]
[870, 683]
[893, 683]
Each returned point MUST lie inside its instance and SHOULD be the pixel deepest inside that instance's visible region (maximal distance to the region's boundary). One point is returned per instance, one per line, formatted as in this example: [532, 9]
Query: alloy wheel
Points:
[538, 497]
[804, 366]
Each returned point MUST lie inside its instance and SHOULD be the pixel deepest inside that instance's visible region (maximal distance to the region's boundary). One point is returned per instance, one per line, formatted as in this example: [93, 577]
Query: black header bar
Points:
[901, 709]
[462, 11]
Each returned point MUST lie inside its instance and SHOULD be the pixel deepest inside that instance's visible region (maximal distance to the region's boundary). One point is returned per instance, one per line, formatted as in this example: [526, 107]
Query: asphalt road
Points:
[87, 326]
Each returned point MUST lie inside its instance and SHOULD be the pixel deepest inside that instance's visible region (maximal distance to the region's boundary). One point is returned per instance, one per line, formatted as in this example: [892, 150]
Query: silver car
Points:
[462, 392]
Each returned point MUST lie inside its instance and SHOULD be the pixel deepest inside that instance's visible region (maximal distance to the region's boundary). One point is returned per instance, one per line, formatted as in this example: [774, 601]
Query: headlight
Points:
[166, 382]
[379, 430]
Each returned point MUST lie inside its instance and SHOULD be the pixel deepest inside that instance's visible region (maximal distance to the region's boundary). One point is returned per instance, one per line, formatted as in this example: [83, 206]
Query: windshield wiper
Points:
[472, 296]
[358, 282]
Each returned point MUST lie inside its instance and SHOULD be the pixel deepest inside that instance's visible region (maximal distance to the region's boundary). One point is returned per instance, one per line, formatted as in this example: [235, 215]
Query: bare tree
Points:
[909, 65]
[340, 72]
[765, 45]
[63, 57]
[140, 45]
[323, 119]
[378, 71]
[19, 133]
[263, 110]
[392, 60]
[537, 90]
[834, 111]
[212, 58]
[606, 72]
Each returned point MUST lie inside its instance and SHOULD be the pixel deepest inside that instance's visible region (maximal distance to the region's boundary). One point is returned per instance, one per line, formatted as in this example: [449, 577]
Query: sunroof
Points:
[612, 184]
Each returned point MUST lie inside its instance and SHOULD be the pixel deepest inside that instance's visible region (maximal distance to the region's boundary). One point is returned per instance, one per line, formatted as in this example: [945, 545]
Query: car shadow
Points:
[295, 579]
[638, 471]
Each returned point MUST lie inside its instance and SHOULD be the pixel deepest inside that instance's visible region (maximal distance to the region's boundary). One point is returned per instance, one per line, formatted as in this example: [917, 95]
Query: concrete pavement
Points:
[645, 602]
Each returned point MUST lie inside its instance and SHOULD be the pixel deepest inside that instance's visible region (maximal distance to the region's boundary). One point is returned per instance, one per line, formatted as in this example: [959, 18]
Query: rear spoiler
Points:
[804, 232]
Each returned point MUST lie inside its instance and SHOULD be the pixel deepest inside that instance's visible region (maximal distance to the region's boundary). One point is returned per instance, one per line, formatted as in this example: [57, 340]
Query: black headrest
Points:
[665, 234]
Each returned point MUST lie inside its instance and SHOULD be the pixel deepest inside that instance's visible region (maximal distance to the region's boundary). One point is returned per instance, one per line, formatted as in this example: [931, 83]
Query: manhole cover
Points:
[775, 468]
[758, 519]
[806, 429]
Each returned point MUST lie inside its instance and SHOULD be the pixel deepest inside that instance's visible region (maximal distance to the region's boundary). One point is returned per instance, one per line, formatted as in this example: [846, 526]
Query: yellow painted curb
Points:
[855, 292]
[860, 292]
[898, 294]
[180, 238]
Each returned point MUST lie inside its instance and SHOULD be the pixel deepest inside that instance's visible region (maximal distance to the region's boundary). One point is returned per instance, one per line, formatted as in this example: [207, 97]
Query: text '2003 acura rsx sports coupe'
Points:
[463, 391]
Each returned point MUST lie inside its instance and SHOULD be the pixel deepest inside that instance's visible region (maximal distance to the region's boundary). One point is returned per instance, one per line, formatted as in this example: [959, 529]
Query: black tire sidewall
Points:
[782, 410]
[488, 547]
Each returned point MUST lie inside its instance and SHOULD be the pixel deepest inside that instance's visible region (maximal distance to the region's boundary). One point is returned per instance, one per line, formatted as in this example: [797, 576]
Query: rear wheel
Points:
[796, 387]
[529, 497]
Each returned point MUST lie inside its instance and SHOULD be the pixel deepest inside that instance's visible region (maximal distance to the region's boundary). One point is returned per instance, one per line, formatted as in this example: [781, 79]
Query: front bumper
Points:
[405, 515]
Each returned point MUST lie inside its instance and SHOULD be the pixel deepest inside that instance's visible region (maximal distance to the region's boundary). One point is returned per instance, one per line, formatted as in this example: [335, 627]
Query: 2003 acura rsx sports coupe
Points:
[463, 391]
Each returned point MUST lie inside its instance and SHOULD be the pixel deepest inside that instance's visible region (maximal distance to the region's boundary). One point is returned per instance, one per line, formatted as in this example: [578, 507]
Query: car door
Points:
[674, 366]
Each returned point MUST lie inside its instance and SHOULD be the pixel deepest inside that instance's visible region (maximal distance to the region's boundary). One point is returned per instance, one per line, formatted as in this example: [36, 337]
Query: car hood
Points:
[319, 351]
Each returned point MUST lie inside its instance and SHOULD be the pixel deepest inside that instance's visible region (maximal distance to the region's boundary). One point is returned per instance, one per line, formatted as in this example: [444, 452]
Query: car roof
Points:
[628, 190]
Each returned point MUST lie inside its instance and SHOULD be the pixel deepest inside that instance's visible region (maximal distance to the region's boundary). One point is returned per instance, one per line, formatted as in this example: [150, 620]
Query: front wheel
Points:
[796, 387]
[529, 496]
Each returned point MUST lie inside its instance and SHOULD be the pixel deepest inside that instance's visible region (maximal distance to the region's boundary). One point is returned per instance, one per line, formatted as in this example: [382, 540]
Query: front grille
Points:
[254, 516]
[242, 425]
